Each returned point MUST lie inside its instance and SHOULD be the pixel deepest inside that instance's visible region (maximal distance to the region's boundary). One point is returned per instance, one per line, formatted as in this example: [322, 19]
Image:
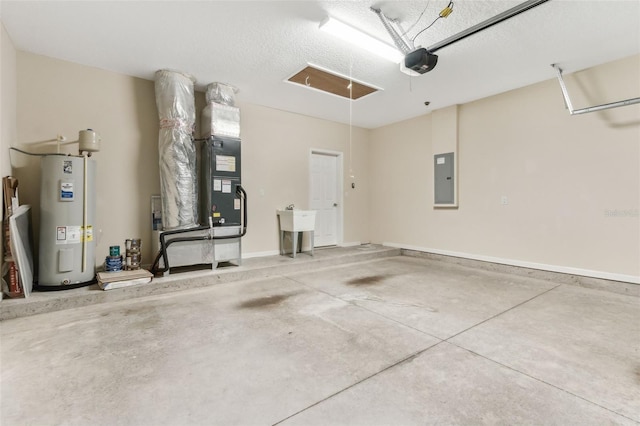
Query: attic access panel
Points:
[316, 78]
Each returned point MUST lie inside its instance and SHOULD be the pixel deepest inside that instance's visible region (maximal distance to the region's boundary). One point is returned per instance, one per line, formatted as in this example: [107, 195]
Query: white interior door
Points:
[325, 197]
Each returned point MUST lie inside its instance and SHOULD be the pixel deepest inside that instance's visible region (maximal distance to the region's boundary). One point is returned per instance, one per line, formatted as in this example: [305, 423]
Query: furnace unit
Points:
[221, 199]
[221, 195]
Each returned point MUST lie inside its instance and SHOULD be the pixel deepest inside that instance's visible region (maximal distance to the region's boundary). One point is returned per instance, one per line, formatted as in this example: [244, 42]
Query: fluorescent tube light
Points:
[360, 39]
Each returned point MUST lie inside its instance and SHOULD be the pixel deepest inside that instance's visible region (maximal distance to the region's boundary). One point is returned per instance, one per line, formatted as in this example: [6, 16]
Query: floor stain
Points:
[264, 302]
[141, 317]
[370, 280]
[139, 310]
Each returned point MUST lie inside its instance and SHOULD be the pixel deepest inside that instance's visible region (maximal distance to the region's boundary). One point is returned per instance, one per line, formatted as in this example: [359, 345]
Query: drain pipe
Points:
[567, 101]
[162, 254]
[84, 214]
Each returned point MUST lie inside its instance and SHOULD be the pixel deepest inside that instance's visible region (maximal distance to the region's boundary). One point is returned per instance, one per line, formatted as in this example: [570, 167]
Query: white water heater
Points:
[67, 218]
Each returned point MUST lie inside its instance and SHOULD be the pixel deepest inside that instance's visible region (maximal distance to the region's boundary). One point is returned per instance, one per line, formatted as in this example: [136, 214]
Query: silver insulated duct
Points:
[221, 117]
[178, 176]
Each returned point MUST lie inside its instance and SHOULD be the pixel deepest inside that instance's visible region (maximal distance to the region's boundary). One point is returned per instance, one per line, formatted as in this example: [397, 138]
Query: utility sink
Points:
[297, 220]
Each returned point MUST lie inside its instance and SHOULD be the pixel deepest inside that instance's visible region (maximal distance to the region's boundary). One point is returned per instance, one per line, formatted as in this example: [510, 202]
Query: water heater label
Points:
[66, 191]
[68, 234]
[88, 233]
[67, 167]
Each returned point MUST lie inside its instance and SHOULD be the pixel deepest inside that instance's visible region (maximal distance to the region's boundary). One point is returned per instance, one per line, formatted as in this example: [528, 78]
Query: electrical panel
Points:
[444, 179]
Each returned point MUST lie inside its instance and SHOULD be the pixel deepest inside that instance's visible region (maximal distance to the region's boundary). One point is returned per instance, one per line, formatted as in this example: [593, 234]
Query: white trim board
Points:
[260, 254]
[276, 252]
[350, 244]
[522, 264]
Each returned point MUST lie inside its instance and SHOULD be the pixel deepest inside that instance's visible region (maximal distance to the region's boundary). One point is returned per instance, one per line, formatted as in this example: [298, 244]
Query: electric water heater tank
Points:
[67, 217]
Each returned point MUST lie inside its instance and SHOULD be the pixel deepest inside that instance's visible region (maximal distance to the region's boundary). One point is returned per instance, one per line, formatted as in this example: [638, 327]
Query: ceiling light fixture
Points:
[360, 39]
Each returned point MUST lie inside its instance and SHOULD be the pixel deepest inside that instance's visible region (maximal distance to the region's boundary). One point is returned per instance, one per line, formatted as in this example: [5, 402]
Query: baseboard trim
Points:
[260, 254]
[522, 264]
[350, 244]
[276, 252]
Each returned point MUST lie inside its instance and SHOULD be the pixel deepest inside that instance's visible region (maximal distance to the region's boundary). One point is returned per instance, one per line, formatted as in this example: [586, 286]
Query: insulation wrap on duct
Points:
[221, 117]
[178, 177]
[221, 120]
[221, 93]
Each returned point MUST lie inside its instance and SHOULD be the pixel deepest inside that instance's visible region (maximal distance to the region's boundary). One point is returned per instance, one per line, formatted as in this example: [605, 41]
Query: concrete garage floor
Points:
[391, 341]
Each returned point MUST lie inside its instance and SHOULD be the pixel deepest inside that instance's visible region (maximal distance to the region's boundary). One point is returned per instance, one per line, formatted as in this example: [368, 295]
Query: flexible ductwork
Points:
[178, 177]
[221, 93]
[221, 117]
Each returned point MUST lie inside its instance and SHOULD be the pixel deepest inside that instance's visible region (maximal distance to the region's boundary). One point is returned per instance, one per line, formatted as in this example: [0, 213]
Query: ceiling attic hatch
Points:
[317, 78]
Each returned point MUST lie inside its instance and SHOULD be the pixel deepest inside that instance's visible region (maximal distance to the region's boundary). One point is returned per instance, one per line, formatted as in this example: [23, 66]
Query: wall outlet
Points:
[504, 200]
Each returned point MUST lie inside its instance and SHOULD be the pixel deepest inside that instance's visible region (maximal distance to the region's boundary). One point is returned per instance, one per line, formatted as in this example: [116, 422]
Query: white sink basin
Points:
[297, 220]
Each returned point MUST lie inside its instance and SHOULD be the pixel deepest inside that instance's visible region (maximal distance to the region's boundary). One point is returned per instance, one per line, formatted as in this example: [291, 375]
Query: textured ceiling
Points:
[257, 45]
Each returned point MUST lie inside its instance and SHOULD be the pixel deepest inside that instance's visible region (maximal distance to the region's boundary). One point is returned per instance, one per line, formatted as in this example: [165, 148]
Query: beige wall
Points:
[8, 98]
[276, 147]
[58, 97]
[55, 96]
[401, 196]
[563, 176]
